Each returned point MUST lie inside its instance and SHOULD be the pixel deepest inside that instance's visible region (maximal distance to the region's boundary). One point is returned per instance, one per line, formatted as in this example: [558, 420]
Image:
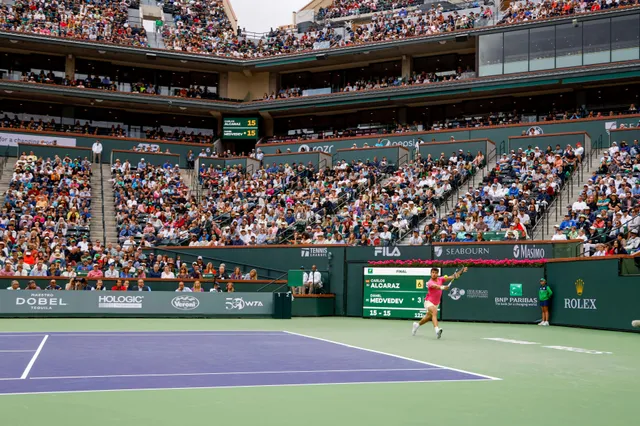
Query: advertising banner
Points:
[518, 251]
[593, 294]
[494, 294]
[13, 139]
[43, 303]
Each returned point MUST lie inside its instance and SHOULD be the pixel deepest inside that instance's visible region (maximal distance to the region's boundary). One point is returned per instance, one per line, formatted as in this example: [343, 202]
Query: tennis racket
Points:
[463, 269]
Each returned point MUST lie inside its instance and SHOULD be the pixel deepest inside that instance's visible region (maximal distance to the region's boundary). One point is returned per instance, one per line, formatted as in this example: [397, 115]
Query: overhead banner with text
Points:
[13, 139]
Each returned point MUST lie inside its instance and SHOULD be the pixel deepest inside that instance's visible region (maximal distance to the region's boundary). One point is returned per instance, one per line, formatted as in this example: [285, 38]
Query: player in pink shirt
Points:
[434, 296]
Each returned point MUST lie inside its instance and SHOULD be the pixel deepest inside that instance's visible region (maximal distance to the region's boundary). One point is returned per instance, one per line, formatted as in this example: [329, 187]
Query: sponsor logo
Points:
[120, 302]
[185, 303]
[41, 301]
[387, 251]
[457, 251]
[314, 252]
[410, 143]
[521, 302]
[149, 147]
[238, 303]
[515, 290]
[536, 130]
[579, 303]
[321, 148]
[456, 293]
[526, 251]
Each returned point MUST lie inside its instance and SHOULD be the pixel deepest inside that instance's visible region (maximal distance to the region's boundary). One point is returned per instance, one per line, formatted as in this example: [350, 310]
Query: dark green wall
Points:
[551, 139]
[498, 134]
[50, 151]
[628, 135]
[109, 143]
[318, 159]
[448, 148]
[397, 155]
[134, 157]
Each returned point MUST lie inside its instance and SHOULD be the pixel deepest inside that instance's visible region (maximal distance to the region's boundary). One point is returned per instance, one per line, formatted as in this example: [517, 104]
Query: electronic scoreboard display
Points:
[240, 128]
[395, 292]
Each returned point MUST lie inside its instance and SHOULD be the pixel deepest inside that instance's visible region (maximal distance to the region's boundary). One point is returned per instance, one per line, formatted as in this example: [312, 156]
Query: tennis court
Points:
[316, 371]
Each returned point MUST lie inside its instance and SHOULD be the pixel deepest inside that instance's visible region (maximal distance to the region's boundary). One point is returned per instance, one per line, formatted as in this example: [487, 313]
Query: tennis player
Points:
[434, 296]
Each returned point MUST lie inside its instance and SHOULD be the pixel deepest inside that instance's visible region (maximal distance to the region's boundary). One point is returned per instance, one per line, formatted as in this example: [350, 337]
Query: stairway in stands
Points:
[102, 206]
[567, 196]
[7, 173]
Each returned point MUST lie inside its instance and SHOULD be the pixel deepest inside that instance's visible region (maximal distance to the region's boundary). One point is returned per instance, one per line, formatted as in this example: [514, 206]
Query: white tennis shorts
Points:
[428, 304]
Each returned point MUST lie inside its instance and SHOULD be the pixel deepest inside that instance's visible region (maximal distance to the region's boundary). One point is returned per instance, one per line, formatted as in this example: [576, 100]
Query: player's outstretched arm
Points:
[456, 275]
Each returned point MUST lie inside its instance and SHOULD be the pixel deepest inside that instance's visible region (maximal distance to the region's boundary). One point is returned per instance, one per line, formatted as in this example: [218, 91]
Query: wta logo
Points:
[238, 303]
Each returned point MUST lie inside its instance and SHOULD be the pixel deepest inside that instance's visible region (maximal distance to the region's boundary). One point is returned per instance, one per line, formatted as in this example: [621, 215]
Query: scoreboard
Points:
[240, 128]
[395, 292]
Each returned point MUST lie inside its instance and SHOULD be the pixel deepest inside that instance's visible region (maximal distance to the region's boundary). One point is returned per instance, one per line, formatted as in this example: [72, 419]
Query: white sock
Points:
[437, 329]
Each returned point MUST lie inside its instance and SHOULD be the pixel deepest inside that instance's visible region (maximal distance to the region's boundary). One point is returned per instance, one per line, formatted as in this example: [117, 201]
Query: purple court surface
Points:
[115, 361]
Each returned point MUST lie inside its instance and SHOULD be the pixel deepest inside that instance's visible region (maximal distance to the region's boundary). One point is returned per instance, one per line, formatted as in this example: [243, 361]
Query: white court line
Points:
[35, 356]
[232, 373]
[241, 386]
[393, 355]
[158, 334]
[4, 351]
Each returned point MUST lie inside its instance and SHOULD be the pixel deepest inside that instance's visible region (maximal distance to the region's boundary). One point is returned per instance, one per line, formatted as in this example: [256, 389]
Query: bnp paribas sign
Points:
[493, 251]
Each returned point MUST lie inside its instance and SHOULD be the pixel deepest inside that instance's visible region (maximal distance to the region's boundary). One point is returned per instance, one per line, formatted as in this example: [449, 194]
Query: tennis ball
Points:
[446, 276]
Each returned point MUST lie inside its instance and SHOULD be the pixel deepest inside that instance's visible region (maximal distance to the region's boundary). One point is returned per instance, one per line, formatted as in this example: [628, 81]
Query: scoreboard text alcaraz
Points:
[240, 128]
[395, 292]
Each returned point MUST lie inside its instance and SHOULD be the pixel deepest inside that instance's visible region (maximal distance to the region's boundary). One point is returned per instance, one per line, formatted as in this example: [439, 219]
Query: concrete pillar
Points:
[274, 82]
[223, 85]
[70, 66]
[402, 115]
[407, 66]
[267, 124]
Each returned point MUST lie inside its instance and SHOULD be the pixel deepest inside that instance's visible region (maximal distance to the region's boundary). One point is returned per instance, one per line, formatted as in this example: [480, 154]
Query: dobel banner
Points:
[42, 303]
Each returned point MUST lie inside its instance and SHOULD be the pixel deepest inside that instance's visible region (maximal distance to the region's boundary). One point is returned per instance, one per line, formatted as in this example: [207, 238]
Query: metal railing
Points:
[104, 224]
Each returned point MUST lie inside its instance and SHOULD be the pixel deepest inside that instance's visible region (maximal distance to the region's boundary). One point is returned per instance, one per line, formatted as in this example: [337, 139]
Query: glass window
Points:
[542, 48]
[597, 41]
[625, 38]
[490, 54]
[516, 51]
[568, 45]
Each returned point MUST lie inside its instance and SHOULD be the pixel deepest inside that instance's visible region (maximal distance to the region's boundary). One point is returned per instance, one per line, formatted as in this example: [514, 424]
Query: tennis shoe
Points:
[415, 328]
[439, 333]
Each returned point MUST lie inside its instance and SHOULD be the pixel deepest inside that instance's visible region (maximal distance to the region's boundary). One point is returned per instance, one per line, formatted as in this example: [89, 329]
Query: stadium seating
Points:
[606, 214]
[103, 22]
[47, 225]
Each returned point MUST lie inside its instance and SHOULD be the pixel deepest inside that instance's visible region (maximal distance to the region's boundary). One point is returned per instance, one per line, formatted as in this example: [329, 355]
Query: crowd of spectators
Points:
[341, 8]
[606, 215]
[534, 10]
[510, 200]
[104, 21]
[484, 120]
[46, 214]
[153, 204]
[204, 27]
[115, 130]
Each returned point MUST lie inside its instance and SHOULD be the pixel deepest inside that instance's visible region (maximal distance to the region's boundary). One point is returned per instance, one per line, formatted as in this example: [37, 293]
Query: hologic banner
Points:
[493, 294]
[60, 303]
[13, 139]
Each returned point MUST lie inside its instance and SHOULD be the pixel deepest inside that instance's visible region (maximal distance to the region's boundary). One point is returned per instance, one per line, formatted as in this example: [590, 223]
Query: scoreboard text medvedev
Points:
[240, 128]
[394, 292]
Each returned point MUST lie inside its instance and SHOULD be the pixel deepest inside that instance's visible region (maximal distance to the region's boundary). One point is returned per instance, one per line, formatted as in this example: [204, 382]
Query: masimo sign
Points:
[493, 251]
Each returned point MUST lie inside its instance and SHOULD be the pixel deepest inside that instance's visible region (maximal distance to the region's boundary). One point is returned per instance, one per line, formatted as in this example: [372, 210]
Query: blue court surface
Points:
[118, 361]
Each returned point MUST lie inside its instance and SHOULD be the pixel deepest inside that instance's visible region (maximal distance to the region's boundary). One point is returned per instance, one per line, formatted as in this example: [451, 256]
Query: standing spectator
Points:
[544, 294]
[96, 149]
